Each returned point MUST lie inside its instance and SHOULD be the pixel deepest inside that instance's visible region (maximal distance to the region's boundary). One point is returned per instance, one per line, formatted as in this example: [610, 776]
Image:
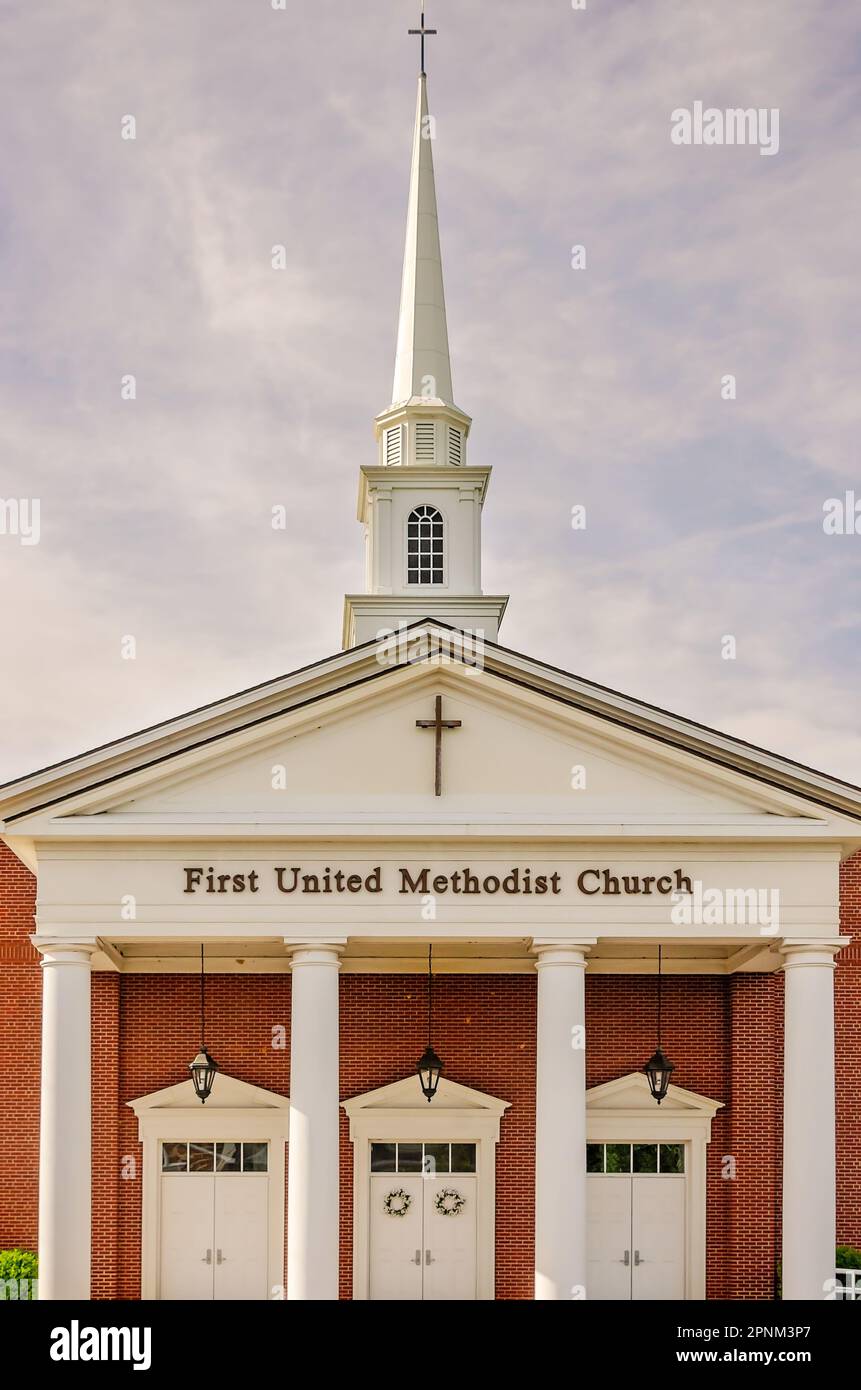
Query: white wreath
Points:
[449, 1202]
[397, 1203]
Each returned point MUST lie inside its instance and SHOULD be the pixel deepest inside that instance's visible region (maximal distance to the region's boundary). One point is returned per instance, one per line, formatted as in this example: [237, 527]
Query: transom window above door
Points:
[215, 1156]
[635, 1158]
[423, 1158]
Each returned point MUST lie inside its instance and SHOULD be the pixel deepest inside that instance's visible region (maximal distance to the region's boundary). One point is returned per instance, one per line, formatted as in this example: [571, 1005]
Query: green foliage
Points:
[18, 1271]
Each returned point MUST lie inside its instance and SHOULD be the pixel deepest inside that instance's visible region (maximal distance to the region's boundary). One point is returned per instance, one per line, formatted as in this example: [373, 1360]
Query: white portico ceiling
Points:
[408, 957]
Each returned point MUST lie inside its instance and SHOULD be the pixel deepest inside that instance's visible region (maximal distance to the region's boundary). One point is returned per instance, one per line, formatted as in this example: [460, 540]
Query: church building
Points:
[430, 971]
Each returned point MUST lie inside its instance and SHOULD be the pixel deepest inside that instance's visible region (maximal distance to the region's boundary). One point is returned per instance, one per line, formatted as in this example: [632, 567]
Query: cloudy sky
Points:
[600, 386]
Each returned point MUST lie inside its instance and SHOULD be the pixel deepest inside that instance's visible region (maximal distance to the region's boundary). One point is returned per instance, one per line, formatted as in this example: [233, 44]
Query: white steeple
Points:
[421, 504]
[422, 362]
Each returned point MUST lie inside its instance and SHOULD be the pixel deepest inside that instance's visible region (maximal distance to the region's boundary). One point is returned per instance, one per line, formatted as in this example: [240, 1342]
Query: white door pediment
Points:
[631, 1093]
[228, 1093]
[406, 1094]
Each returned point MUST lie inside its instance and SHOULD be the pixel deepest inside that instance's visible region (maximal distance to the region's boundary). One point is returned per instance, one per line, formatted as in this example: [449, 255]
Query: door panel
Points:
[608, 1236]
[241, 1235]
[659, 1236]
[187, 1201]
[450, 1241]
[396, 1240]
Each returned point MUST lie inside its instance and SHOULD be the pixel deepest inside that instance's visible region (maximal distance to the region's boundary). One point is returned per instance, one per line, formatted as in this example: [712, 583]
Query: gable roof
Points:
[362, 665]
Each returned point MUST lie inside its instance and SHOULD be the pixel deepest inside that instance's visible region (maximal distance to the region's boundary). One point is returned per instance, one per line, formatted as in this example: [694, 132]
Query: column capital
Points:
[58, 952]
[553, 951]
[809, 951]
[305, 952]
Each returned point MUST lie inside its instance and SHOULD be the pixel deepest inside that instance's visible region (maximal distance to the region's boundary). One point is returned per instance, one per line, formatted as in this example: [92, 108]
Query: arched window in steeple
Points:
[425, 528]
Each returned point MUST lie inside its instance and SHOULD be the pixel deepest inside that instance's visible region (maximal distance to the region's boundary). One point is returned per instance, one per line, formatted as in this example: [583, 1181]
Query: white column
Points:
[65, 1134]
[312, 1151]
[560, 1123]
[809, 1195]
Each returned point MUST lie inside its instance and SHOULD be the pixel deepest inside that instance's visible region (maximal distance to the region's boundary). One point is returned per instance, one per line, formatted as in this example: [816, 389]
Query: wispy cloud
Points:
[256, 387]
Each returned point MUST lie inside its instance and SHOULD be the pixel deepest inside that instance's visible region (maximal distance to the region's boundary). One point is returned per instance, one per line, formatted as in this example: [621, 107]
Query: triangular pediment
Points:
[341, 735]
[515, 756]
[631, 1093]
[228, 1093]
[406, 1094]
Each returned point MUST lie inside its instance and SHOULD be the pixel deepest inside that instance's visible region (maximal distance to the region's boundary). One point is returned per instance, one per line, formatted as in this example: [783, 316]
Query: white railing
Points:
[848, 1285]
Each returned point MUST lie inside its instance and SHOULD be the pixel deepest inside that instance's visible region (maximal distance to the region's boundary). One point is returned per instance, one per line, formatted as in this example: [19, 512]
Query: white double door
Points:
[214, 1235]
[424, 1253]
[636, 1236]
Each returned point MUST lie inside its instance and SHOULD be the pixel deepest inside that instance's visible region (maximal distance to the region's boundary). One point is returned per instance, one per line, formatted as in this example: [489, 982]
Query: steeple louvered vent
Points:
[393, 447]
[455, 446]
[425, 441]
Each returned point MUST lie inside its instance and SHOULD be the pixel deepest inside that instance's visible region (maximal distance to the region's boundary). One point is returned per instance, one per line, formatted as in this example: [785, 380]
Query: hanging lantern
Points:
[429, 1065]
[659, 1067]
[203, 1070]
[204, 1067]
[658, 1070]
[429, 1068]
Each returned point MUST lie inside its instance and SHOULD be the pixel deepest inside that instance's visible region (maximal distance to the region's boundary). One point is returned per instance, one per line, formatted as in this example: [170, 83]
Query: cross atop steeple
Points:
[423, 32]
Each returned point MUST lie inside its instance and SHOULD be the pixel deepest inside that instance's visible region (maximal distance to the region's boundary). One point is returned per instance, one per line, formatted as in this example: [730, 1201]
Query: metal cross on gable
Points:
[424, 33]
[438, 724]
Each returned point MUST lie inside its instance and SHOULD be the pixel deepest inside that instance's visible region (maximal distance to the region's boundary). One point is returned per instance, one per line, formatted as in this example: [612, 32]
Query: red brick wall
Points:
[847, 1005]
[753, 1156]
[105, 1004]
[20, 1025]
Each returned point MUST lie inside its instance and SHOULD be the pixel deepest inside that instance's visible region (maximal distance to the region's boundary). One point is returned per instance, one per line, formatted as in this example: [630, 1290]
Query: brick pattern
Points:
[21, 1018]
[750, 1175]
[725, 1036]
[847, 1009]
[105, 1006]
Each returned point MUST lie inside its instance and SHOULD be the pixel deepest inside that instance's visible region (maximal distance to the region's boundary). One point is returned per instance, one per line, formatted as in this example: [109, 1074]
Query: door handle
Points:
[637, 1260]
[627, 1260]
[417, 1258]
[219, 1258]
[428, 1259]
[207, 1258]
